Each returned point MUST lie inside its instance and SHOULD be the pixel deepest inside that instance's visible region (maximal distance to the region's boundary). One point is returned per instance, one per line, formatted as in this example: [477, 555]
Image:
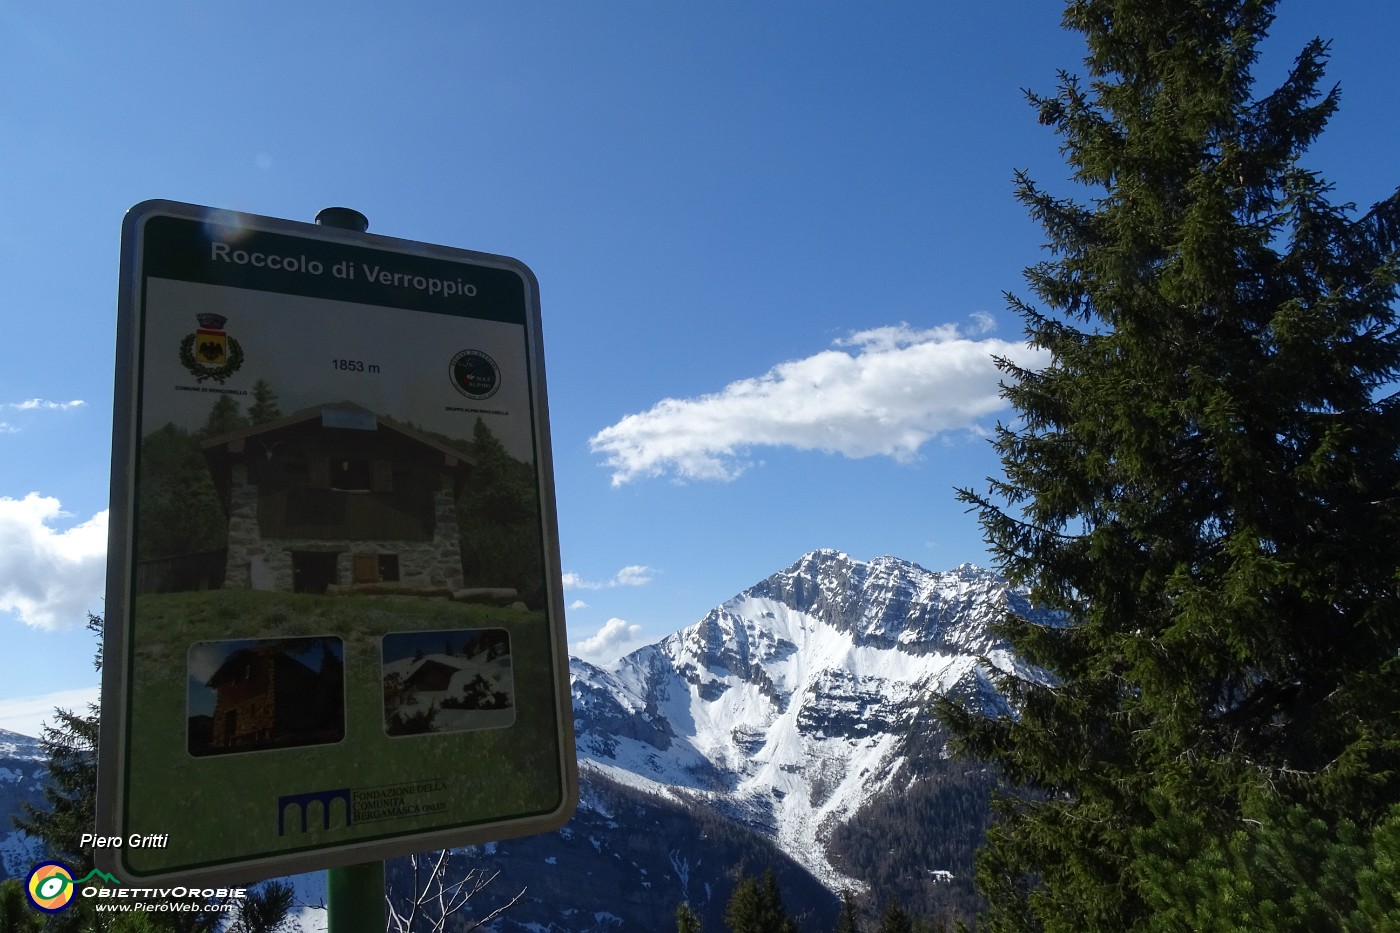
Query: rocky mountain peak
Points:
[893, 603]
[790, 704]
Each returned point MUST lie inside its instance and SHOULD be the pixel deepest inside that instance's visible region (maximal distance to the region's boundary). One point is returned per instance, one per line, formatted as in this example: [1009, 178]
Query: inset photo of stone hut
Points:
[447, 681]
[246, 696]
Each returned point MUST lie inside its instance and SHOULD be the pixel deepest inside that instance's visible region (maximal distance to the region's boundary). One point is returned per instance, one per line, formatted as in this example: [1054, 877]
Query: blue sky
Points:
[771, 239]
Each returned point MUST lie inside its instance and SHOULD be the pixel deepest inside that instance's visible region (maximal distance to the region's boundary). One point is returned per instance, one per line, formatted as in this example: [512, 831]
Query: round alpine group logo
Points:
[50, 886]
[474, 374]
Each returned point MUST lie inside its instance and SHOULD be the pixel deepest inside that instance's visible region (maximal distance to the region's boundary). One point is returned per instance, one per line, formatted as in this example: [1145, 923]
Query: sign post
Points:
[335, 627]
[355, 899]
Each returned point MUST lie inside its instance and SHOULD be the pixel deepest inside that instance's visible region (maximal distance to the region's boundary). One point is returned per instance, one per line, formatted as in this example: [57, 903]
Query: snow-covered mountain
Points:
[791, 705]
[22, 775]
[789, 728]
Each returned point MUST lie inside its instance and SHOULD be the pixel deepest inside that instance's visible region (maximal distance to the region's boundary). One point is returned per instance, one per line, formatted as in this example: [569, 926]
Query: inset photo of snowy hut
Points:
[255, 695]
[457, 680]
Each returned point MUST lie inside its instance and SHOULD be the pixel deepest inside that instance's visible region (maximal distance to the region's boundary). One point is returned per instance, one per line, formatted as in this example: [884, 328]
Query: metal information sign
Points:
[335, 625]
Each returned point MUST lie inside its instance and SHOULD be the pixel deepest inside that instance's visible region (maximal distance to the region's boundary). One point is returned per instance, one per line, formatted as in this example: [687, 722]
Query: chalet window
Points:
[286, 464]
[323, 507]
[361, 475]
[352, 475]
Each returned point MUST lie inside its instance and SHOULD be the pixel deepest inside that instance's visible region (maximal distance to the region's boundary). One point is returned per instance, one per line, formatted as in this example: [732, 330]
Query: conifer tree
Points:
[16, 916]
[742, 913]
[895, 920]
[757, 907]
[1291, 873]
[498, 515]
[69, 744]
[1204, 479]
[848, 921]
[264, 407]
[225, 415]
[180, 510]
[687, 921]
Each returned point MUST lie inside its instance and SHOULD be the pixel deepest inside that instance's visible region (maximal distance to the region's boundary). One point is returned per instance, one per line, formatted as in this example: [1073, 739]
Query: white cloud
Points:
[631, 575]
[40, 404]
[982, 322]
[578, 604]
[50, 578]
[613, 640]
[34, 404]
[881, 392]
[27, 715]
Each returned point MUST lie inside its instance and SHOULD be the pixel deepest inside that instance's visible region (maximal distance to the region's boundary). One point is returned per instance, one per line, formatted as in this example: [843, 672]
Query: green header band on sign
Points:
[215, 254]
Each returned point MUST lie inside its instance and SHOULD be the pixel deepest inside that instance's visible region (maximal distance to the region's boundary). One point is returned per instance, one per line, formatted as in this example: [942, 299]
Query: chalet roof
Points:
[235, 439]
[451, 661]
[278, 657]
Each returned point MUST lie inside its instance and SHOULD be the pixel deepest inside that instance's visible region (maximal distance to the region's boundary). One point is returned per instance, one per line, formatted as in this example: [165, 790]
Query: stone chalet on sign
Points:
[266, 699]
[336, 495]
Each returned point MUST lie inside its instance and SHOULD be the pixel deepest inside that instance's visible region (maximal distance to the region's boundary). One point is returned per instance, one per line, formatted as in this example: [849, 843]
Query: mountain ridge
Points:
[788, 706]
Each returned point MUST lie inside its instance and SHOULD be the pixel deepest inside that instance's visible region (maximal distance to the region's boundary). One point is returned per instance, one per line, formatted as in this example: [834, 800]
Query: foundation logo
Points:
[209, 352]
[475, 374]
[50, 885]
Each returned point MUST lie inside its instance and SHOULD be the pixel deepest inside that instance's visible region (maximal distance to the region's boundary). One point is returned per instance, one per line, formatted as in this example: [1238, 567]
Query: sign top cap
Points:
[346, 218]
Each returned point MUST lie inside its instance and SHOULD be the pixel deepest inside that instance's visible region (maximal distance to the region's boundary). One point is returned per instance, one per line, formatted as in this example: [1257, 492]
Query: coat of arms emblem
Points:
[209, 352]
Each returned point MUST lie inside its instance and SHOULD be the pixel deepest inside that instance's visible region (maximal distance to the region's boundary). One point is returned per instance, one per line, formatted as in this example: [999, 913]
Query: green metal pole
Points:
[355, 899]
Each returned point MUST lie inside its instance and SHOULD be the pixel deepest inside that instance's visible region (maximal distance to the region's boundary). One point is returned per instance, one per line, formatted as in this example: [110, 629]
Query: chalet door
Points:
[313, 571]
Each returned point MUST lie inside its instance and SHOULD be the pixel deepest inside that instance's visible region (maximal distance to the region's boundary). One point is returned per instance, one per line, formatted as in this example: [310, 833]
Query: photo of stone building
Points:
[271, 693]
[337, 496]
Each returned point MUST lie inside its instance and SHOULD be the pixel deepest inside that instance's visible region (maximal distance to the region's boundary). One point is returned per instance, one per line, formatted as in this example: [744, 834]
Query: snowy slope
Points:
[787, 707]
[22, 776]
